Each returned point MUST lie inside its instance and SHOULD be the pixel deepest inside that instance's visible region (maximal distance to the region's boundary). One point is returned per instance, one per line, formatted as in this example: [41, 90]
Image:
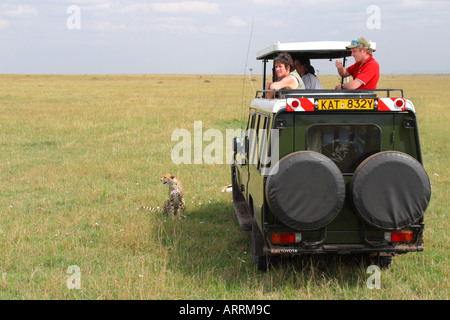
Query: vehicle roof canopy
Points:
[313, 50]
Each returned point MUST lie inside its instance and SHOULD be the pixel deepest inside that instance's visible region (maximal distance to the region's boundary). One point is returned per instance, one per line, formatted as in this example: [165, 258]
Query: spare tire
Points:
[390, 190]
[306, 192]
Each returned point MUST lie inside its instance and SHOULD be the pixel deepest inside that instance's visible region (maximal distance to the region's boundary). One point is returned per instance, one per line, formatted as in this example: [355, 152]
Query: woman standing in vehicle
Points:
[287, 76]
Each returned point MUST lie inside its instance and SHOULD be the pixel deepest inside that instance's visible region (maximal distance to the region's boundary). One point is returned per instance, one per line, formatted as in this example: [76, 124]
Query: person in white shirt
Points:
[307, 72]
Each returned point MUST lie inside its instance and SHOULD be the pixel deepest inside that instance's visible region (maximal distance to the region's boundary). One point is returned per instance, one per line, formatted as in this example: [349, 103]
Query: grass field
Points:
[81, 155]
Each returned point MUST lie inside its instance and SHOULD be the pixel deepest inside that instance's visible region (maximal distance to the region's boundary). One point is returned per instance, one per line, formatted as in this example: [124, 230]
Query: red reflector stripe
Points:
[391, 104]
[300, 104]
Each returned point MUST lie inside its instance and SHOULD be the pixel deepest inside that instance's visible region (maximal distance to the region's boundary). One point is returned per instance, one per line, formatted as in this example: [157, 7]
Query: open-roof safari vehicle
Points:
[329, 171]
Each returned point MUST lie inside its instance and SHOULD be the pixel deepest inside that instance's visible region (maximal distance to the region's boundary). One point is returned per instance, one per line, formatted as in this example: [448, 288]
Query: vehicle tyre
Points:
[259, 257]
[384, 262]
[390, 190]
[307, 192]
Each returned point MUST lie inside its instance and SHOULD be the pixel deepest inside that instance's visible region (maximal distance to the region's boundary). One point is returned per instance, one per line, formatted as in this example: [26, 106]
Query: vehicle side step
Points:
[241, 209]
[243, 215]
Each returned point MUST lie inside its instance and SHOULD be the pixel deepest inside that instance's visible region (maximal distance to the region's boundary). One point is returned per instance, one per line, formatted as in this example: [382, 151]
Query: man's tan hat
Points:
[360, 42]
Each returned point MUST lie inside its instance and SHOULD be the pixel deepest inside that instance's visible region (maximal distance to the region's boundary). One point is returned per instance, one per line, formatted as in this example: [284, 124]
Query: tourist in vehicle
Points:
[307, 72]
[365, 71]
[287, 76]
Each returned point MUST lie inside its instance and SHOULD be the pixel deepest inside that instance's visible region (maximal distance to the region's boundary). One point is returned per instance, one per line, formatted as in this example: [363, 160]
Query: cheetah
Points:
[175, 205]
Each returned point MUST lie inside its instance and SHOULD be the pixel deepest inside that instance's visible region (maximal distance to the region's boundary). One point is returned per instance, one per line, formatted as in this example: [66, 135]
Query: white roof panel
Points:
[314, 49]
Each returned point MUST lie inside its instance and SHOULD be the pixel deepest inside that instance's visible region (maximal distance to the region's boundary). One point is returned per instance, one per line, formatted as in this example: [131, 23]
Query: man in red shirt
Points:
[365, 71]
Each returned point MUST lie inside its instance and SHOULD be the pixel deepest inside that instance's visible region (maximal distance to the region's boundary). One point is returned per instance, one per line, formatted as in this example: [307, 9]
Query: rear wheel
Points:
[384, 262]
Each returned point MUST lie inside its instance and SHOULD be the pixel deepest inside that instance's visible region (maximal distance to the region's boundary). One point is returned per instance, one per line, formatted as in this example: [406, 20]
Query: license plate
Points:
[346, 104]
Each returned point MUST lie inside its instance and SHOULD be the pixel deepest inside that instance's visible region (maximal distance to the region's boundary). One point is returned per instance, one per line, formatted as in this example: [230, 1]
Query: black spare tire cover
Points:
[390, 190]
[307, 191]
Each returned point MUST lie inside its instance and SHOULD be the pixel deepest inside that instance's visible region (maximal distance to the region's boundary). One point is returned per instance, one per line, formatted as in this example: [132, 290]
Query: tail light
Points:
[402, 236]
[283, 238]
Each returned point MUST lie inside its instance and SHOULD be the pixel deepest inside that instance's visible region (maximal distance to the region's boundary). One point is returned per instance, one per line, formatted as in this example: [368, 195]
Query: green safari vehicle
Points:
[329, 171]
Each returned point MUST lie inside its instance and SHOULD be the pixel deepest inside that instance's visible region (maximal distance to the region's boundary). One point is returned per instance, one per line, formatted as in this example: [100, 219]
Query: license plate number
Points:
[346, 104]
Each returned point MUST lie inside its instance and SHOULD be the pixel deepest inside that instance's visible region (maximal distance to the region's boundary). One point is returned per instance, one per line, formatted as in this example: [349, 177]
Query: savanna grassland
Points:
[81, 155]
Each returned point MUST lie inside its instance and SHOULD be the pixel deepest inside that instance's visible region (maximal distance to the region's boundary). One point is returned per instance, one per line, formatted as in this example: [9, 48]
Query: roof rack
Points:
[324, 94]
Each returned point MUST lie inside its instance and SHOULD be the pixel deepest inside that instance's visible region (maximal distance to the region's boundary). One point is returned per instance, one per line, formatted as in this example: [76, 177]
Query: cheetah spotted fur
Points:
[175, 205]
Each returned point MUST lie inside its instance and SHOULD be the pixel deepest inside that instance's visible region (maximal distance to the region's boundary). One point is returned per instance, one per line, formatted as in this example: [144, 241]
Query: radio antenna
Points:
[246, 67]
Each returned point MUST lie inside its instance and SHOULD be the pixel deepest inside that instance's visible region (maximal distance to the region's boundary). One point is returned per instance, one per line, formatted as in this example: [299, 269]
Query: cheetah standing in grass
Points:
[175, 205]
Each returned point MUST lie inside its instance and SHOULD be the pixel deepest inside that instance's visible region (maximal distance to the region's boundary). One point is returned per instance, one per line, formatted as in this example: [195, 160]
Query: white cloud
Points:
[182, 30]
[136, 7]
[18, 11]
[268, 2]
[176, 20]
[107, 26]
[4, 24]
[186, 7]
[97, 5]
[437, 6]
[282, 3]
[414, 3]
[237, 22]
[86, 2]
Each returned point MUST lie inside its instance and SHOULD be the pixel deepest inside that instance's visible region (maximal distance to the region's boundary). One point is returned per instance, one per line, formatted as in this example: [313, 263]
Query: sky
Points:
[212, 37]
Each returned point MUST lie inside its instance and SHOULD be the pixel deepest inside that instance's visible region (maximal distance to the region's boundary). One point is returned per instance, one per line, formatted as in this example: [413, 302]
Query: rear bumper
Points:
[345, 249]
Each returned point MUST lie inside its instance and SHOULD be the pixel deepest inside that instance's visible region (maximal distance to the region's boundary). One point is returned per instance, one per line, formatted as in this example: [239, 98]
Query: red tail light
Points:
[282, 238]
[403, 236]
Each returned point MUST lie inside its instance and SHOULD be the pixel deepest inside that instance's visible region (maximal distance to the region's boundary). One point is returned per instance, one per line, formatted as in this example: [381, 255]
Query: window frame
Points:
[349, 170]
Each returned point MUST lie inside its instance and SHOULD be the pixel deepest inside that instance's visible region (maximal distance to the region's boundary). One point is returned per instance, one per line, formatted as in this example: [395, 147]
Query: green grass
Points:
[79, 155]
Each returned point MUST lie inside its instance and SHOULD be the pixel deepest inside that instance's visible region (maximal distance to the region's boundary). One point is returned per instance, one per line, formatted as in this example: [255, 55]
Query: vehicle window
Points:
[262, 140]
[346, 145]
[251, 121]
[253, 139]
[258, 139]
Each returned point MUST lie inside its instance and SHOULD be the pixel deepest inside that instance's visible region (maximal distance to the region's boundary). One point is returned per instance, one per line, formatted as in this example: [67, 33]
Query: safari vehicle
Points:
[329, 171]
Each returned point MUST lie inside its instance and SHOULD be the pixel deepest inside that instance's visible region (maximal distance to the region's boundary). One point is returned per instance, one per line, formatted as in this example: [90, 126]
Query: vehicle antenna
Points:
[245, 69]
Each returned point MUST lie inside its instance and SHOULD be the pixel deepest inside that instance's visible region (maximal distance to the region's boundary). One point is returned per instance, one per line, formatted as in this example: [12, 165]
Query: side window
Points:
[263, 132]
[253, 138]
[346, 145]
[258, 140]
[251, 121]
